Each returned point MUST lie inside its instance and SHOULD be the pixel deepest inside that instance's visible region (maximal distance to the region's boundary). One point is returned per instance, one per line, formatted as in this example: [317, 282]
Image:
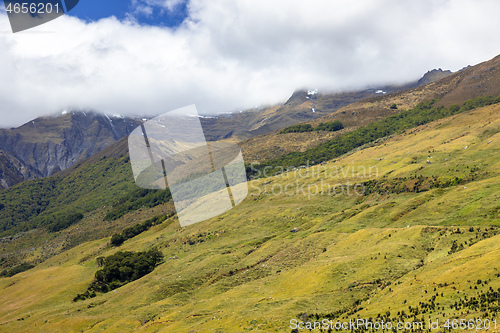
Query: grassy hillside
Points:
[409, 224]
[421, 114]
[39, 218]
[91, 185]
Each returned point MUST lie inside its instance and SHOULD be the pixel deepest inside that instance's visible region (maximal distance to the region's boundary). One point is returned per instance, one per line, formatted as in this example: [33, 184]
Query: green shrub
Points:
[299, 128]
[117, 239]
[120, 269]
[127, 233]
[332, 126]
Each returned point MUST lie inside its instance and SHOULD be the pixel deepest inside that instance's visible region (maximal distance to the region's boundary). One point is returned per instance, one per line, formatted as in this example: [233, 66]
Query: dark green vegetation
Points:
[120, 269]
[136, 199]
[45, 202]
[299, 128]
[331, 126]
[422, 114]
[486, 302]
[413, 183]
[64, 222]
[127, 233]
[43, 217]
[15, 270]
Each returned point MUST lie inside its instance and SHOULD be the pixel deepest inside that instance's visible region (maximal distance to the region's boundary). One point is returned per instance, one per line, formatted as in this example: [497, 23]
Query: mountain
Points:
[398, 223]
[32, 211]
[47, 145]
[479, 80]
[433, 75]
[456, 88]
[304, 105]
[405, 229]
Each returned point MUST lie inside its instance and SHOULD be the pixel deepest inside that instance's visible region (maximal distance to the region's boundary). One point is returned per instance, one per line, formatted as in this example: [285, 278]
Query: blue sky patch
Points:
[94, 10]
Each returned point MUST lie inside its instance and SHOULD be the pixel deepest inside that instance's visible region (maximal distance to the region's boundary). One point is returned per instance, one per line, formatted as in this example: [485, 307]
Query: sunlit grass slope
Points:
[417, 218]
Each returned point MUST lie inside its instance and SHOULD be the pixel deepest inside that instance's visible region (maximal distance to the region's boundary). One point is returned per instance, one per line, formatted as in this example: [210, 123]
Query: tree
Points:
[332, 126]
[117, 240]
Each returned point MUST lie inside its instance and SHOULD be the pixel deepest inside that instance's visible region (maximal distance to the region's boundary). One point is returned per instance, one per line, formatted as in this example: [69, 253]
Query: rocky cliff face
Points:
[46, 145]
[434, 75]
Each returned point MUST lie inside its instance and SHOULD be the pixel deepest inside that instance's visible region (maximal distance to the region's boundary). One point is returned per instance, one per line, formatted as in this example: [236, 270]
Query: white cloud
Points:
[143, 10]
[140, 5]
[231, 55]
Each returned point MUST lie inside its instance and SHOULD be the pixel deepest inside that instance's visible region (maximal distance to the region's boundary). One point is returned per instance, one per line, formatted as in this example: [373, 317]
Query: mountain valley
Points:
[400, 228]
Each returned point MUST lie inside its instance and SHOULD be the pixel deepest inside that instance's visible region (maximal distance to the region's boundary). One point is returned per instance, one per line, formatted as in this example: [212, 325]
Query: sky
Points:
[163, 13]
[147, 57]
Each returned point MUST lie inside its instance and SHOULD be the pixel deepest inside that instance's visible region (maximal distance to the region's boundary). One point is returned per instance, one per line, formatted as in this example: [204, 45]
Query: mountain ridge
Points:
[479, 80]
[304, 105]
[47, 145]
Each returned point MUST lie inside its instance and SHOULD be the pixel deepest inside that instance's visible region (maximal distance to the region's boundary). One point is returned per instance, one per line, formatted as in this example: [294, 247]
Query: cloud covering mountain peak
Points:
[232, 55]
